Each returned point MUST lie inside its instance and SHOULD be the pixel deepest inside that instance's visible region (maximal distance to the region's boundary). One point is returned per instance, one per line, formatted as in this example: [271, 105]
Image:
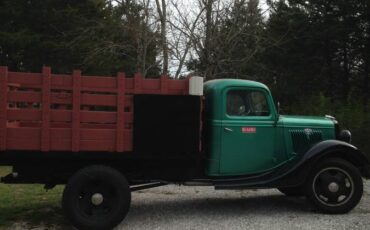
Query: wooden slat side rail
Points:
[59, 112]
[120, 112]
[45, 130]
[3, 106]
[76, 111]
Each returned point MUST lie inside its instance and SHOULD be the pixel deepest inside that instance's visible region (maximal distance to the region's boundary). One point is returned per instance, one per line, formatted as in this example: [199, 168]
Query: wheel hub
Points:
[333, 187]
[97, 199]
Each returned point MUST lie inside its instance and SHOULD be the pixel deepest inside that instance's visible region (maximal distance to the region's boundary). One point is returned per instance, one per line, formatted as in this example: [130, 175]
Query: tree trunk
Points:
[345, 79]
[207, 42]
[366, 75]
[162, 12]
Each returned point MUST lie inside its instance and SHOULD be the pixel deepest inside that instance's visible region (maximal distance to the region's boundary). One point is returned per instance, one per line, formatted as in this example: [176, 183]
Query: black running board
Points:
[147, 185]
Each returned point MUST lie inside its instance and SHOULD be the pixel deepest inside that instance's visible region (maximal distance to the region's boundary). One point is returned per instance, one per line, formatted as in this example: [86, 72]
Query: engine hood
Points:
[303, 132]
[306, 121]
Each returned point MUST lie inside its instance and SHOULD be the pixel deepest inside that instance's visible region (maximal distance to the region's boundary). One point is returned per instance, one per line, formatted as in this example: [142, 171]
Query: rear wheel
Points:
[96, 197]
[334, 186]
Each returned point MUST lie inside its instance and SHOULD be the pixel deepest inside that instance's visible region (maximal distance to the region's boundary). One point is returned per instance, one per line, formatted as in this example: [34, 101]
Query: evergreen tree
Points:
[92, 35]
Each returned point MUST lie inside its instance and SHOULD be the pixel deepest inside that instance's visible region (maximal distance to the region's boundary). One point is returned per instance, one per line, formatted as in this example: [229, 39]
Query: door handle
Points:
[228, 129]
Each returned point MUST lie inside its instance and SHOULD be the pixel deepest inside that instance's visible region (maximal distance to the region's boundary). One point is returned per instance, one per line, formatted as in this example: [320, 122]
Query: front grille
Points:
[302, 140]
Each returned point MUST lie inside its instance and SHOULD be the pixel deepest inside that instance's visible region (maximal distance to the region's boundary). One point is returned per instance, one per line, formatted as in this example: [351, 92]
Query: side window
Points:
[247, 103]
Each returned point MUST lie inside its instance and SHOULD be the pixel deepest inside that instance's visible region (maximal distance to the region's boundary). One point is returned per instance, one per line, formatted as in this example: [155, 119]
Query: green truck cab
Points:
[248, 136]
[162, 131]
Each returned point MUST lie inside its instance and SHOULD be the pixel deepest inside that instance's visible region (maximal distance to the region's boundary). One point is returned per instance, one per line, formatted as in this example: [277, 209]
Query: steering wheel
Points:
[243, 111]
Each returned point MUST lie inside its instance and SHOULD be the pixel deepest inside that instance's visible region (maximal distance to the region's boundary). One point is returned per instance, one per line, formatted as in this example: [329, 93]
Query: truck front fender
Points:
[325, 149]
[339, 149]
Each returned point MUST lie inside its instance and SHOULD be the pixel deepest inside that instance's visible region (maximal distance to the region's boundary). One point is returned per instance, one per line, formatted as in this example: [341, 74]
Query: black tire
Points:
[111, 206]
[334, 186]
[292, 191]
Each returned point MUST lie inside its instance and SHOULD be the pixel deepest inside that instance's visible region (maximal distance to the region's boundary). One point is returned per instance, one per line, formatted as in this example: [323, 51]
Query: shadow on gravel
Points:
[273, 205]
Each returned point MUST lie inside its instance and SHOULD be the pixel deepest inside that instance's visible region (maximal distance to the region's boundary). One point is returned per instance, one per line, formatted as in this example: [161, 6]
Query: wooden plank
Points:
[31, 80]
[24, 115]
[164, 84]
[76, 111]
[60, 144]
[61, 139]
[98, 90]
[98, 134]
[62, 98]
[61, 133]
[151, 84]
[137, 83]
[129, 83]
[179, 86]
[45, 128]
[150, 91]
[3, 106]
[98, 117]
[23, 144]
[99, 82]
[120, 112]
[66, 116]
[107, 83]
[24, 96]
[98, 126]
[99, 99]
[24, 133]
[61, 115]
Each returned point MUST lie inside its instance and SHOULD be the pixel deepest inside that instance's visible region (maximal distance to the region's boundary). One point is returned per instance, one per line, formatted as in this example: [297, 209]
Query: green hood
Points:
[306, 122]
[303, 132]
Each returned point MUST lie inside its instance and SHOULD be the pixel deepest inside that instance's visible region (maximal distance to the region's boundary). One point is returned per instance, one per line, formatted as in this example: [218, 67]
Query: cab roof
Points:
[222, 83]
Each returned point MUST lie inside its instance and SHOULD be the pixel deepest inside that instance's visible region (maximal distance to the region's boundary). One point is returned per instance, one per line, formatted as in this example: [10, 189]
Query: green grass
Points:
[29, 204]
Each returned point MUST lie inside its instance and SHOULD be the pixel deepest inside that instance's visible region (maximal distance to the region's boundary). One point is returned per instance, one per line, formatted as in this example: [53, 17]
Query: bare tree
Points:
[183, 24]
[162, 13]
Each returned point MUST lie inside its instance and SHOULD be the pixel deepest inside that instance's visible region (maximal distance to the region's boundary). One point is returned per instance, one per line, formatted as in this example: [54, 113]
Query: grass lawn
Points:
[29, 205]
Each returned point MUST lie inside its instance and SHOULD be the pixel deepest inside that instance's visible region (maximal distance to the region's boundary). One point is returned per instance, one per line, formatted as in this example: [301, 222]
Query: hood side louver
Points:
[302, 140]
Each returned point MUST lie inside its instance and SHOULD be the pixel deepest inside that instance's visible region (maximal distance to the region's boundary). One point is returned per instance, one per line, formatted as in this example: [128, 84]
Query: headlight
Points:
[345, 135]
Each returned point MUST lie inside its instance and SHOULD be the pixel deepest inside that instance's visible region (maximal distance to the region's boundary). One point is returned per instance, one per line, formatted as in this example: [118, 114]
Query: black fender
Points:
[327, 149]
[337, 148]
[340, 149]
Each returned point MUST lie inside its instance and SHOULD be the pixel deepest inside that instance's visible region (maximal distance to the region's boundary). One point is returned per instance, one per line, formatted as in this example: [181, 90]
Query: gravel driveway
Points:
[179, 207]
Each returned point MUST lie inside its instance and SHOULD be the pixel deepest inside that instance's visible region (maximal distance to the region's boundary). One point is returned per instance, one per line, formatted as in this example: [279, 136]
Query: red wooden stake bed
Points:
[55, 112]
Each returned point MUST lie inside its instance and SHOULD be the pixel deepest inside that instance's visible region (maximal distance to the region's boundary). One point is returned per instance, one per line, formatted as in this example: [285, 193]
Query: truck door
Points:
[248, 132]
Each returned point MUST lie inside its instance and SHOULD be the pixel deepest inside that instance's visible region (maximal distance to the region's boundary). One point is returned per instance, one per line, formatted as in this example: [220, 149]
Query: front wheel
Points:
[96, 198]
[334, 186]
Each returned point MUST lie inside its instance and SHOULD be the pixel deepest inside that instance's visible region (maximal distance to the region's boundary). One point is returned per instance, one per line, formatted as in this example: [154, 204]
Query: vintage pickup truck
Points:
[105, 137]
